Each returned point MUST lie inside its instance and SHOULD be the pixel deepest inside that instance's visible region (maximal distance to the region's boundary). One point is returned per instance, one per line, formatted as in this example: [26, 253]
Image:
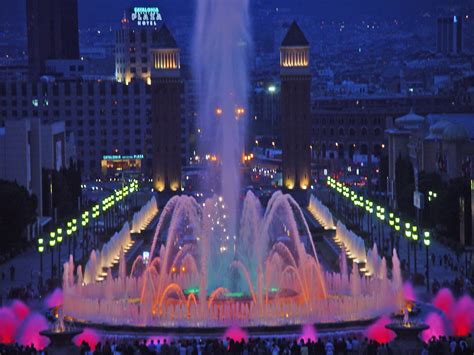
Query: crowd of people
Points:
[264, 346]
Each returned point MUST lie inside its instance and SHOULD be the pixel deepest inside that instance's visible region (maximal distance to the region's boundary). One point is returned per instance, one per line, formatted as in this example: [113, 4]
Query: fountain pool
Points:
[201, 276]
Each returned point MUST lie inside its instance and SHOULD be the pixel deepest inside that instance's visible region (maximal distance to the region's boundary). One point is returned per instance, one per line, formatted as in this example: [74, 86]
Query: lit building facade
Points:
[135, 38]
[105, 117]
[167, 89]
[295, 110]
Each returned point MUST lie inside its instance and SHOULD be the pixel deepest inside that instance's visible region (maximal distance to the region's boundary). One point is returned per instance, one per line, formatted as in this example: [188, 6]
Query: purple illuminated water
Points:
[221, 48]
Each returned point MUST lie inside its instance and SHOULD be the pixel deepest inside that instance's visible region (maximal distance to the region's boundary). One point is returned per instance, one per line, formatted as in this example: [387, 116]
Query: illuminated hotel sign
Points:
[122, 157]
[146, 16]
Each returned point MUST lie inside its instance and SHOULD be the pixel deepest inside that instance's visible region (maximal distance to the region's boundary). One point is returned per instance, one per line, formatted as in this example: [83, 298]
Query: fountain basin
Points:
[407, 340]
[61, 341]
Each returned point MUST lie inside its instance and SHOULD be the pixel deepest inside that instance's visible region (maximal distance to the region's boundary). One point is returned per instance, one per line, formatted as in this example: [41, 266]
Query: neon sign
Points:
[122, 157]
[146, 16]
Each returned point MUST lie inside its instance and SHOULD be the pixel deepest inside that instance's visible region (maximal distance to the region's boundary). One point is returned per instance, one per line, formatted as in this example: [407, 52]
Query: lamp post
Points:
[427, 242]
[59, 240]
[41, 251]
[272, 90]
[382, 235]
[52, 243]
[408, 236]
[415, 241]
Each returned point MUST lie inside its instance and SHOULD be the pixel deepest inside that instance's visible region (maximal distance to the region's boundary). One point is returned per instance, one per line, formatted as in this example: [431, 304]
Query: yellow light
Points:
[218, 111]
[183, 269]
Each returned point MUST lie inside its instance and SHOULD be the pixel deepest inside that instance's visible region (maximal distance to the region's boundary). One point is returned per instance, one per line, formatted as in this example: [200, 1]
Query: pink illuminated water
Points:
[90, 336]
[377, 331]
[55, 299]
[444, 300]
[236, 334]
[29, 331]
[409, 292]
[462, 316]
[20, 310]
[308, 332]
[436, 327]
[8, 325]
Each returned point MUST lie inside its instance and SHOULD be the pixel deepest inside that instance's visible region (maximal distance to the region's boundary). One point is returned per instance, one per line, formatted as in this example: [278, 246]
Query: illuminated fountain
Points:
[321, 213]
[266, 275]
[225, 262]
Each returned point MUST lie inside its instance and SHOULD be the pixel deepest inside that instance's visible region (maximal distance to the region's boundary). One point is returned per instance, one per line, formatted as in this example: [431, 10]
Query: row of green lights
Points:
[56, 237]
[393, 221]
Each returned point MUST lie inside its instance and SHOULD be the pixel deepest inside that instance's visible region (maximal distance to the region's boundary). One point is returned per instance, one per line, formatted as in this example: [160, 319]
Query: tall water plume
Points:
[221, 46]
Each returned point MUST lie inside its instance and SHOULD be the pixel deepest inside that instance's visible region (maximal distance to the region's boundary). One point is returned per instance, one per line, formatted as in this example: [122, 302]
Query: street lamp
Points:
[427, 242]
[415, 239]
[272, 90]
[41, 251]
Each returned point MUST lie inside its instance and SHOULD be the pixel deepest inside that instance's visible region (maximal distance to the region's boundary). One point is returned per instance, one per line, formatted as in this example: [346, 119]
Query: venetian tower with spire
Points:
[166, 88]
[295, 113]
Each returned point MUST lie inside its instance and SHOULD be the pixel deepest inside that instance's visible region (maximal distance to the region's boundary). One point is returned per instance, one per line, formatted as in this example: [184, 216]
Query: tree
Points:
[447, 213]
[431, 182]
[66, 187]
[404, 185]
[17, 211]
[383, 175]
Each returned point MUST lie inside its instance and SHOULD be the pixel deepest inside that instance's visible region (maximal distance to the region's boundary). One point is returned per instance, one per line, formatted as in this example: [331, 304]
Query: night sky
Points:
[99, 11]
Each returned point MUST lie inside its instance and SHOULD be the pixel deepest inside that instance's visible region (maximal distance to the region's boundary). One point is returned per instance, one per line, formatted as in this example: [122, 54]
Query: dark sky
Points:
[93, 11]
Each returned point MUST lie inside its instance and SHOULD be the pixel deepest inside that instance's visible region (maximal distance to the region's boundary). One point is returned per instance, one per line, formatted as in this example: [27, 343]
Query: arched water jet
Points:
[237, 264]
[170, 288]
[288, 281]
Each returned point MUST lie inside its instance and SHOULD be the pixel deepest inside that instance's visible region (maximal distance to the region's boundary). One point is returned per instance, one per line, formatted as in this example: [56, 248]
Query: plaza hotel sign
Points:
[145, 16]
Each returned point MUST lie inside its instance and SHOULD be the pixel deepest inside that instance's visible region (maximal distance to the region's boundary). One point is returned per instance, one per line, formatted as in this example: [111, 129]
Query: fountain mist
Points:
[221, 45]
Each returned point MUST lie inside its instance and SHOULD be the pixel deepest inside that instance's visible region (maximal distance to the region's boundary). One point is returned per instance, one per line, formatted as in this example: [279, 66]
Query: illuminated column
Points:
[166, 90]
[295, 110]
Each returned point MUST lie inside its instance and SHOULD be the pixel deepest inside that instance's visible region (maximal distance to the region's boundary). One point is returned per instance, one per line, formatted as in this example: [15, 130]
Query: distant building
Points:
[353, 128]
[166, 88]
[13, 70]
[106, 117]
[134, 39]
[52, 27]
[437, 143]
[27, 147]
[295, 110]
[449, 35]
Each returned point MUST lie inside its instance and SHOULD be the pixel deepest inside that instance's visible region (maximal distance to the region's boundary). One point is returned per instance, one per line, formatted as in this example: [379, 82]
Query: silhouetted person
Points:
[85, 348]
